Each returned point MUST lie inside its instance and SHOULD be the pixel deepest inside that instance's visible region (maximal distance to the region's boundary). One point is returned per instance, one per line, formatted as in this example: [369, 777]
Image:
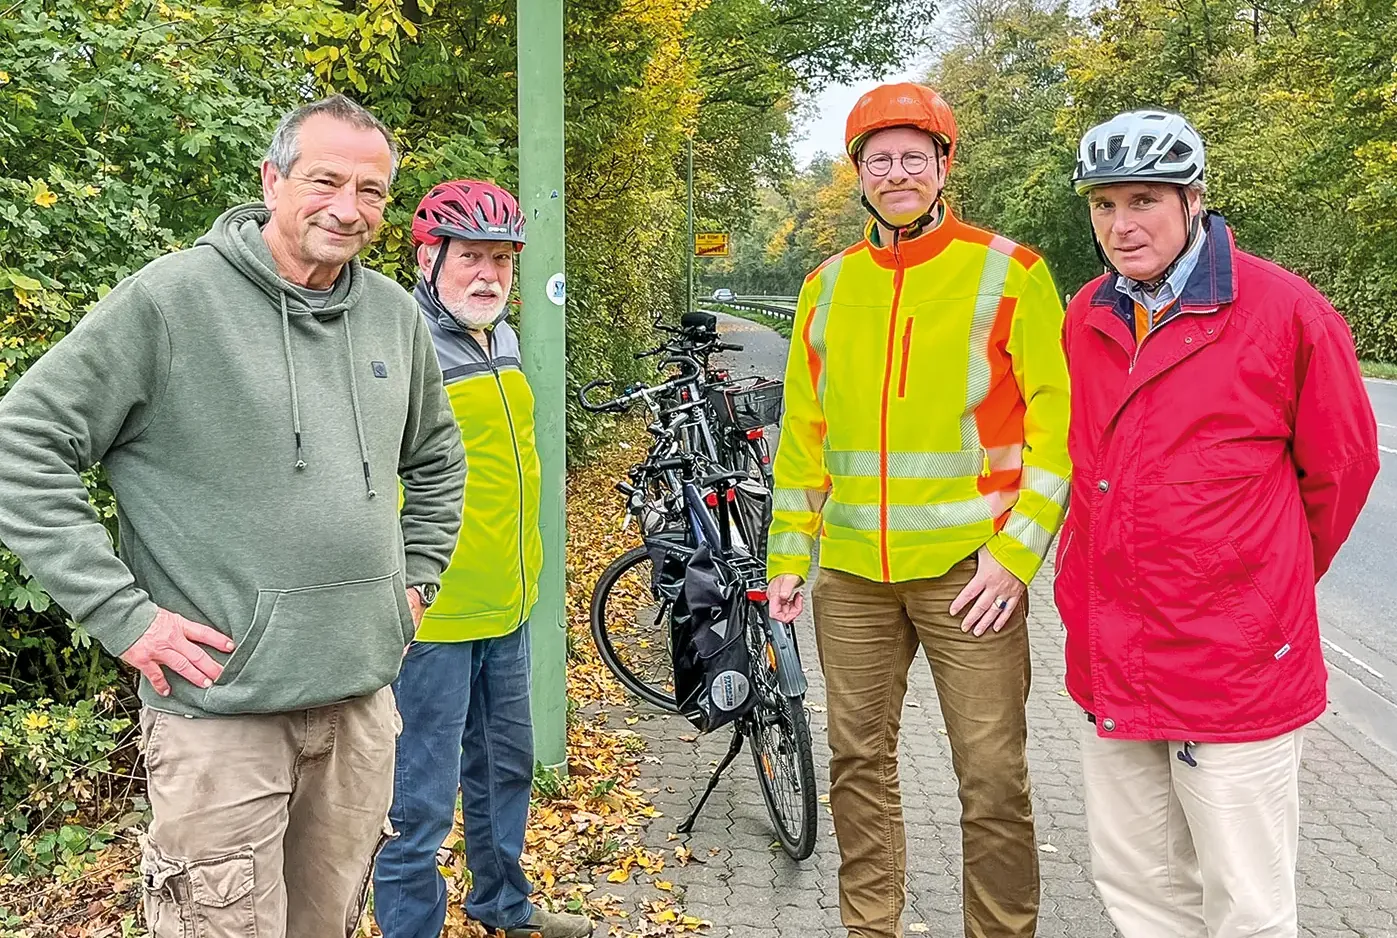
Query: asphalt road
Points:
[1357, 598]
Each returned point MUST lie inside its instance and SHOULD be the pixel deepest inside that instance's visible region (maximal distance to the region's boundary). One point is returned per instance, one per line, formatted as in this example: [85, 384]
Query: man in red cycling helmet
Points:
[464, 688]
[925, 444]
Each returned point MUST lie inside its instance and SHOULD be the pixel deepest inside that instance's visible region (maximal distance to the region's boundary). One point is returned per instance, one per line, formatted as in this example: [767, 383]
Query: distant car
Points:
[723, 295]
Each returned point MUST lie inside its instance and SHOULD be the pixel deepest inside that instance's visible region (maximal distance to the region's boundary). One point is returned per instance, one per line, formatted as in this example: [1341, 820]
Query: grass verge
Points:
[782, 326]
[1379, 370]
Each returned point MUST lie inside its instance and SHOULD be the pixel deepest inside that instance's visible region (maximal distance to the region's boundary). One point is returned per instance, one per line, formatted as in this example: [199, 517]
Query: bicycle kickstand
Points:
[733, 749]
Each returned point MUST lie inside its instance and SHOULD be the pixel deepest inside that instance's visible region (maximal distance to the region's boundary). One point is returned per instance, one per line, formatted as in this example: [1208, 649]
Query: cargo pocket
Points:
[361, 902]
[210, 898]
[358, 626]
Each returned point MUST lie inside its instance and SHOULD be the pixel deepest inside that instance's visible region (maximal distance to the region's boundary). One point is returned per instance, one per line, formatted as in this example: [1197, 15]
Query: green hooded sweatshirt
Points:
[254, 438]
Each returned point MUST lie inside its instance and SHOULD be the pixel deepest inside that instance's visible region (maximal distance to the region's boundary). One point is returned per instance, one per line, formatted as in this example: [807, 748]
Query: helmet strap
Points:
[1192, 224]
[437, 265]
[911, 228]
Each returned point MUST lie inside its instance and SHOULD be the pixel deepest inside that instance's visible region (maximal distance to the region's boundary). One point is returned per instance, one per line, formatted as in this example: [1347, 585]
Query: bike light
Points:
[711, 499]
[756, 596]
[756, 434]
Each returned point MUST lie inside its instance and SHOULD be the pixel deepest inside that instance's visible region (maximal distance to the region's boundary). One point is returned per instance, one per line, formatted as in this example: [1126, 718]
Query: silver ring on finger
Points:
[1001, 603]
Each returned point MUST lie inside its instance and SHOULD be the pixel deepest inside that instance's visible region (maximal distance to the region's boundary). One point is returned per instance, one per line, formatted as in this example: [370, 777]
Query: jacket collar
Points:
[1212, 284]
[916, 250]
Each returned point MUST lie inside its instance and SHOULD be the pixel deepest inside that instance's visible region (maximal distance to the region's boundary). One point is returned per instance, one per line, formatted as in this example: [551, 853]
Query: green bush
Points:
[65, 789]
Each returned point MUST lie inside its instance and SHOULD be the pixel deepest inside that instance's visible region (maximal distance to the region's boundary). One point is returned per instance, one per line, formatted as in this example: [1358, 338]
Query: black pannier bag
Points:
[712, 664]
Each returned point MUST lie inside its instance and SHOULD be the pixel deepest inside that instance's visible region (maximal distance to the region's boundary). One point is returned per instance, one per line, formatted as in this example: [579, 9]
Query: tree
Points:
[1006, 82]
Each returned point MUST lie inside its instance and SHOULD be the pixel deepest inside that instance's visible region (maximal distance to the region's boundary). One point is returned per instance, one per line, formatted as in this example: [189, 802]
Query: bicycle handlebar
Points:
[640, 392]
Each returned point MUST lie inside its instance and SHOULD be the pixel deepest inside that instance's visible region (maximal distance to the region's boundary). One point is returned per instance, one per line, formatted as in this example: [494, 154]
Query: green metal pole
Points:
[543, 290]
[689, 302]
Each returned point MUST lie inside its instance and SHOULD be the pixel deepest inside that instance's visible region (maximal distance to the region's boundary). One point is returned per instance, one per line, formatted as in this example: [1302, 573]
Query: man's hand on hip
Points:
[415, 603]
[173, 641]
[992, 595]
[784, 599]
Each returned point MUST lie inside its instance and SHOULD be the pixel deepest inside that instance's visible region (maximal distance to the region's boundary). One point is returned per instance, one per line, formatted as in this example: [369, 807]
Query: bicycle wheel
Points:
[780, 737]
[630, 625]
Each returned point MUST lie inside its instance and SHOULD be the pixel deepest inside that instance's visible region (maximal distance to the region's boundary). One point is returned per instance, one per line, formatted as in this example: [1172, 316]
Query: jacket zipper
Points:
[1135, 357]
[906, 354]
[519, 475]
[883, 422]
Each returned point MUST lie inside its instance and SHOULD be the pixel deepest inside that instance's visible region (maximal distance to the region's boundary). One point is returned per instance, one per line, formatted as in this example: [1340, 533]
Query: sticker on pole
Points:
[557, 289]
[711, 244]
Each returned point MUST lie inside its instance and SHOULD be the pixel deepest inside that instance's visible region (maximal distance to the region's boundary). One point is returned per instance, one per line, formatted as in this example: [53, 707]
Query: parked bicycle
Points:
[681, 620]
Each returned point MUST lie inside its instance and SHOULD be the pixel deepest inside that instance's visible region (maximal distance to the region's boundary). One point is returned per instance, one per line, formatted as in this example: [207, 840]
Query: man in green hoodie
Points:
[255, 401]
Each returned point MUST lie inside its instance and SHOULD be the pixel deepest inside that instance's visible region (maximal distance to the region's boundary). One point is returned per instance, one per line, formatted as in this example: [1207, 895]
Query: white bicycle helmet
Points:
[1140, 146]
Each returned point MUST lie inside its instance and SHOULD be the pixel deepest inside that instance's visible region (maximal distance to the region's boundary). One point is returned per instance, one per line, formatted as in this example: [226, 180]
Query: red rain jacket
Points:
[1216, 471]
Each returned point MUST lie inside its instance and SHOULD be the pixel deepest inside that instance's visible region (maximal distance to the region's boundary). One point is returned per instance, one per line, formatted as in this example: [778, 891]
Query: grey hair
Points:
[1198, 186]
[285, 148]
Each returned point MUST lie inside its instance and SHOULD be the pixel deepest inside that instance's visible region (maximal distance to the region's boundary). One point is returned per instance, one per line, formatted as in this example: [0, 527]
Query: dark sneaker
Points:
[552, 925]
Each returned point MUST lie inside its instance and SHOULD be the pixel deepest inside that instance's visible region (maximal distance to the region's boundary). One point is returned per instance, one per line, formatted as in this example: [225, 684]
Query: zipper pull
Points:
[985, 465]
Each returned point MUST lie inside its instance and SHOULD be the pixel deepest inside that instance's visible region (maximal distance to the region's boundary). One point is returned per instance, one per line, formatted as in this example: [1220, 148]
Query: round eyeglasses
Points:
[880, 164]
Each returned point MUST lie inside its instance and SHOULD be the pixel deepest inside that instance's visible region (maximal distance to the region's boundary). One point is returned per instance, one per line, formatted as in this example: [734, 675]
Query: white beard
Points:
[475, 316]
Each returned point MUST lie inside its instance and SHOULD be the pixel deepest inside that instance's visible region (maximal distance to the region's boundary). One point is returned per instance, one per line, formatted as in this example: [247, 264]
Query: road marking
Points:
[1375, 673]
[1387, 449]
[1387, 426]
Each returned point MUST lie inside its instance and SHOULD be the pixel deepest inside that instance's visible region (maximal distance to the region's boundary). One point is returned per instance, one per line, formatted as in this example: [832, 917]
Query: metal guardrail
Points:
[778, 307]
[779, 300]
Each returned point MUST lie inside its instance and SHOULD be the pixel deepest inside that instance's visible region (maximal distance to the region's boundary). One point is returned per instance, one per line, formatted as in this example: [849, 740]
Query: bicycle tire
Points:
[650, 691]
[799, 844]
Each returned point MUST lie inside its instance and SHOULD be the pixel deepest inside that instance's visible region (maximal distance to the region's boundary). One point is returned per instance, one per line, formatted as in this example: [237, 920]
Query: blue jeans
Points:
[466, 724]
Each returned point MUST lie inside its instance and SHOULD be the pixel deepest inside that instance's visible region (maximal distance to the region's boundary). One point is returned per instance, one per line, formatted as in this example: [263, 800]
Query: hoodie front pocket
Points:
[315, 645]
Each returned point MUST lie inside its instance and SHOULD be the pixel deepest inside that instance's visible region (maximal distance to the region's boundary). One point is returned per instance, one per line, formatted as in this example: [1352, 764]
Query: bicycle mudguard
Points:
[790, 678]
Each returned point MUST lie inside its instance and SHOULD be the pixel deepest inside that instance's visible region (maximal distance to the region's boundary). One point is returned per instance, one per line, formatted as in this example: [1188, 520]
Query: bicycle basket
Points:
[759, 405]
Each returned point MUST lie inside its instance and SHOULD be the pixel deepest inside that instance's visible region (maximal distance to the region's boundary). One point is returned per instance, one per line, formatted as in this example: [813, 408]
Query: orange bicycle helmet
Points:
[904, 104]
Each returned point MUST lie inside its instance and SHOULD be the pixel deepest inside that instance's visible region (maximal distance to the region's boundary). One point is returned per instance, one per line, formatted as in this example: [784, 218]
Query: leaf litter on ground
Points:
[585, 827]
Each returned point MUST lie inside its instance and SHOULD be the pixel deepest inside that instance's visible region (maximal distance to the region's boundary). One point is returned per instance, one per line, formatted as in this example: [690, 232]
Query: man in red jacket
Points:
[1222, 445]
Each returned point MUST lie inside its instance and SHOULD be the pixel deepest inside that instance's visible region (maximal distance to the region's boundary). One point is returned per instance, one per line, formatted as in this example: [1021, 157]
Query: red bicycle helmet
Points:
[469, 209]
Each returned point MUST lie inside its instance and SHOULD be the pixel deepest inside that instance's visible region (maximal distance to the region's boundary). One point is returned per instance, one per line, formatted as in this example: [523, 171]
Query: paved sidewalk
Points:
[749, 889]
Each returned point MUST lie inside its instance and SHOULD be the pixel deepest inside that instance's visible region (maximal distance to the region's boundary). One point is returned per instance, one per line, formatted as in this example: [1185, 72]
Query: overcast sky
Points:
[824, 126]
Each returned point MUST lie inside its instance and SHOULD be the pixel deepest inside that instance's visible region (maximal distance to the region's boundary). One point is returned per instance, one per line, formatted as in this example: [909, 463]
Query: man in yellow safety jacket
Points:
[464, 687]
[925, 442]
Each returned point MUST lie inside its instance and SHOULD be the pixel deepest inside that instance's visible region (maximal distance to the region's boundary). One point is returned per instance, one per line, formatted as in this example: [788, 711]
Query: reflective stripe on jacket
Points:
[492, 583]
[926, 410]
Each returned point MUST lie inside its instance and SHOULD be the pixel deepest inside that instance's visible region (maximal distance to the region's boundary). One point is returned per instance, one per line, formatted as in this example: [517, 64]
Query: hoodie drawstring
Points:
[353, 395]
[354, 400]
[291, 370]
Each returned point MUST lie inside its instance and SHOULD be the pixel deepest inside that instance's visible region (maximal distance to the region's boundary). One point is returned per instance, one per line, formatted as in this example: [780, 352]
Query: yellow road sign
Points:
[711, 244]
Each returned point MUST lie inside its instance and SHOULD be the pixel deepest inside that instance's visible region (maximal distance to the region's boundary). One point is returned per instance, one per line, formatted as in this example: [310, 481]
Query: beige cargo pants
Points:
[266, 826]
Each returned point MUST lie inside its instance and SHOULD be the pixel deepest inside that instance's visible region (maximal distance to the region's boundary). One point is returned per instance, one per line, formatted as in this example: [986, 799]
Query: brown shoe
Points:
[552, 925]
